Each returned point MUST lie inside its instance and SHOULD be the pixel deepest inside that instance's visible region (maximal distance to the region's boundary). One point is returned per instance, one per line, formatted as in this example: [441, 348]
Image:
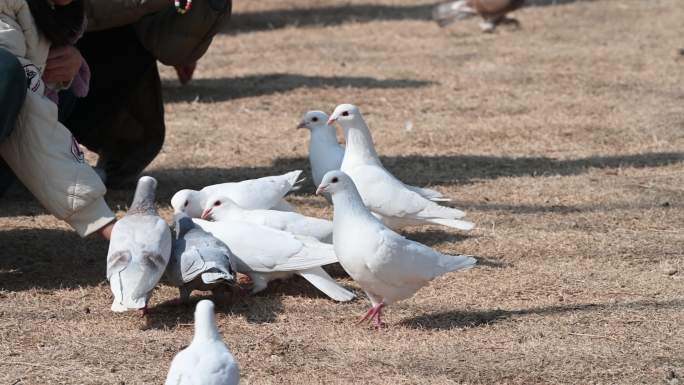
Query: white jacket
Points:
[41, 151]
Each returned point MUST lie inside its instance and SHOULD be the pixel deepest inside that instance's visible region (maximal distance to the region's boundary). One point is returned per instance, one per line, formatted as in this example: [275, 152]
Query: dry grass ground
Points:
[564, 141]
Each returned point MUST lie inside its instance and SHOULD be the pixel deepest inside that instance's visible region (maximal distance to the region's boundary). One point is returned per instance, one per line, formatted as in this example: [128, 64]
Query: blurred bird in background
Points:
[493, 12]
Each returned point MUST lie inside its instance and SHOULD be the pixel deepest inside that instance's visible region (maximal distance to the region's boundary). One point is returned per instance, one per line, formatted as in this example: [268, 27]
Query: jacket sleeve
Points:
[13, 15]
[176, 39]
[106, 14]
[45, 157]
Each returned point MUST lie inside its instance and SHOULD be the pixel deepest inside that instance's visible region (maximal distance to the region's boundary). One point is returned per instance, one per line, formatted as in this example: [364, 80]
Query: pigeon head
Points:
[188, 202]
[205, 322]
[344, 112]
[216, 206]
[143, 199]
[334, 181]
[183, 224]
[313, 119]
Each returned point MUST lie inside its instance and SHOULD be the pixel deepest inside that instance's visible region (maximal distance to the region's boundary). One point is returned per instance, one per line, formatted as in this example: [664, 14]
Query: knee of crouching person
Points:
[12, 91]
[221, 5]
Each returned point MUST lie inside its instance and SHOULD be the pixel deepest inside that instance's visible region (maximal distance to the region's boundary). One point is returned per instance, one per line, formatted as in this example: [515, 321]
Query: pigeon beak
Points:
[321, 189]
[301, 124]
[331, 120]
[206, 214]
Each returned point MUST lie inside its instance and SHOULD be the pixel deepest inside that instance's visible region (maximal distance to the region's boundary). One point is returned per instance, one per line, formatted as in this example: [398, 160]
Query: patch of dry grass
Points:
[563, 140]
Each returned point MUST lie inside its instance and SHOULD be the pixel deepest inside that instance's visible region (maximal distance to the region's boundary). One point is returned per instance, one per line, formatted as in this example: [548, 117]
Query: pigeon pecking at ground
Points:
[387, 266]
[326, 153]
[207, 361]
[493, 12]
[395, 203]
[139, 250]
[199, 261]
[261, 193]
[266, 254]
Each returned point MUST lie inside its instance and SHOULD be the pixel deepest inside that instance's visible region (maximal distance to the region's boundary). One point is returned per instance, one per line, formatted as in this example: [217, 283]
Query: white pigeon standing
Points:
[199, 261]
[395, 203]
[260, 193]
[139, 250]
[326, 153]
[207, 361]
[387, 266]
[223, 209]
[266, 254]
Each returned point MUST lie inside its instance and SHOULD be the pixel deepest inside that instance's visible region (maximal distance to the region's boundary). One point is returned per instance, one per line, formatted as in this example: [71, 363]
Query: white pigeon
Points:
[223, 209]
[387, 266]
[326, 153]
[139, 250]
[207, 361]
[266, 254]
[386, 196]
[199, 261]
[261, 193]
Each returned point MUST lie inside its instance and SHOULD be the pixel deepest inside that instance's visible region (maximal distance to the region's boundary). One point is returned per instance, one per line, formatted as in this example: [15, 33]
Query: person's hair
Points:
[60, 24]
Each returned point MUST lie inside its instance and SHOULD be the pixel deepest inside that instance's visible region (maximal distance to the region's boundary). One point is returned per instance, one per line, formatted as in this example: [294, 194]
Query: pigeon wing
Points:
[385, 194]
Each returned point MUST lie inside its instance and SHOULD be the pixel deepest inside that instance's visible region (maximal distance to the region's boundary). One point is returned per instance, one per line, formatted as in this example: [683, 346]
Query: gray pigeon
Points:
[199, 261]
[139, 250]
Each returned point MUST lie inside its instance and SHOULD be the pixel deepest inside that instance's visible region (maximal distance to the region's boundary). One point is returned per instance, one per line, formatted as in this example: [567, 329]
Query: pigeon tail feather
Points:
[216, 276]
[293, 179]
[325, 283]
[458, 262]
[455, 223]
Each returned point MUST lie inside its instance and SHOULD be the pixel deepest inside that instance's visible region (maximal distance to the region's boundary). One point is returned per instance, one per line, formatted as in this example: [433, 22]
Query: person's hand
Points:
[63, 63]
[106, 231]
[185, 72]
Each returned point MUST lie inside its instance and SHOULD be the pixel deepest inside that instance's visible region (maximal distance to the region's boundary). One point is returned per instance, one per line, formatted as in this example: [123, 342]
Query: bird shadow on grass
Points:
[272, 19]
[257, 310]
[459, 319]
[221, 89]
[435, 237]
[50, 259]
[263, 307]
[418, 170]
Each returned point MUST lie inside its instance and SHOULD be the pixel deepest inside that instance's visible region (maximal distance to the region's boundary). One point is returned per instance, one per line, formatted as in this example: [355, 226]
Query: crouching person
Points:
[40, 151]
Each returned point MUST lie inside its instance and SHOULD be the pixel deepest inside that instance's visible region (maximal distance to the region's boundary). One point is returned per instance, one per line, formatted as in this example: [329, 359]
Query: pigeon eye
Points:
[334, 180]
[314, 119]
[186, 204]
[345, 113]
[217, 203]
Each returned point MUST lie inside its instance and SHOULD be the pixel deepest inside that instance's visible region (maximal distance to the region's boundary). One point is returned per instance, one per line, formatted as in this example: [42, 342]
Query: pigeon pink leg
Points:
[373, 314]
[377, 322]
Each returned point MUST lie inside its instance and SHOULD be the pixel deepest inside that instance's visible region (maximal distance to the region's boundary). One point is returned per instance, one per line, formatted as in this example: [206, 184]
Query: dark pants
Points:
[12, 96]
[122, 118]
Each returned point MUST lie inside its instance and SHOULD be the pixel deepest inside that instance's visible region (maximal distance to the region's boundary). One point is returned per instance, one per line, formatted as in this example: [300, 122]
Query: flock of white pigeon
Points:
[248, 227]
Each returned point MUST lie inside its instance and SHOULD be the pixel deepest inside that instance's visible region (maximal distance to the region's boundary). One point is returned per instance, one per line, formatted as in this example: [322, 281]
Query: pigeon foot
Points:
[374, 315]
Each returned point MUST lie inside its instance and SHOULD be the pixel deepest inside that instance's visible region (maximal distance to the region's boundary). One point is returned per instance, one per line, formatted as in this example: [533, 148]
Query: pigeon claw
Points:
[374, 315]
